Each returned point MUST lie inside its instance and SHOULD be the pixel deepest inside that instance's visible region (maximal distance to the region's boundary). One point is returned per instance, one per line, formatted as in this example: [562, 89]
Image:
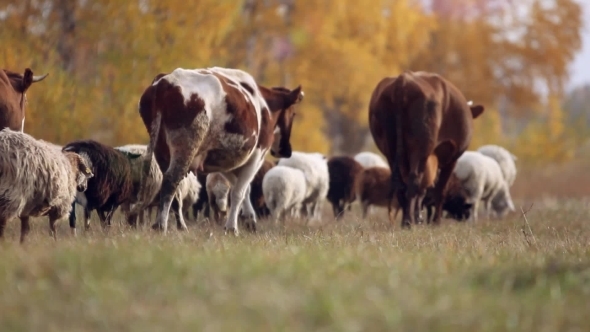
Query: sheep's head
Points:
[84, 170]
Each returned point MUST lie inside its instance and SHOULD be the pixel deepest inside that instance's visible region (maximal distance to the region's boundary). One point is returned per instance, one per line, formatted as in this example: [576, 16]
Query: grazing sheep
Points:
[373, 187]
[112, 184]
[482, 179]
[317, 179]
[154, 179]
[284, 189]
[343, 171]
[218, 187]
[369, 159]
[455, 202]
[504, 158]
[256, 195]
[37, 180]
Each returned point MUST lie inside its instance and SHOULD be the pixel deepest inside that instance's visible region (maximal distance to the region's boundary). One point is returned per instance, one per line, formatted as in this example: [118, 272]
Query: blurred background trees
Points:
[511, 56]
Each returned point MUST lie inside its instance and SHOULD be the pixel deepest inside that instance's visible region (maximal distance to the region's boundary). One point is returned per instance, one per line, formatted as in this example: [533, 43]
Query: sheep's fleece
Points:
[317, 178]
[284, 190]
[370, 159]
[482, 179]
[504, 158]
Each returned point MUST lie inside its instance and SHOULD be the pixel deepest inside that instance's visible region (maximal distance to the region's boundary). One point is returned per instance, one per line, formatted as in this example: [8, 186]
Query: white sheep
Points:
[37, 180]
[284, 190]
[186, 195]
[482, 179]
[370, 159]
[317, 179]
[218, 187]
[504, 158]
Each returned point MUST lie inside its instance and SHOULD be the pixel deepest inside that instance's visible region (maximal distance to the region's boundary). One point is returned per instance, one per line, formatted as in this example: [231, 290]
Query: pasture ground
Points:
[353, 275]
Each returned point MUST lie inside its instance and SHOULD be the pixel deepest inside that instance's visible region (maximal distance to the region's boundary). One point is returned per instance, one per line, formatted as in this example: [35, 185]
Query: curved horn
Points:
[39, 77]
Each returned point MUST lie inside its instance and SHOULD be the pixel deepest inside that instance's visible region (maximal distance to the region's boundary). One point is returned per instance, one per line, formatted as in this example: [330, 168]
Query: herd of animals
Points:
[210, 132]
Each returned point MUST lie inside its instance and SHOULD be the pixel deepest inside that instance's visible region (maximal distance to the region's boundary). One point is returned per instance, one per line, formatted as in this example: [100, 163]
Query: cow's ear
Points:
[295, 96]
[476, 110]
[27, 80]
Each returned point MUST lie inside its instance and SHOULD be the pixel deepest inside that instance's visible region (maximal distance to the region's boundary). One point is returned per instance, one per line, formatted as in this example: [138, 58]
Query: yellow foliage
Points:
[336, 49]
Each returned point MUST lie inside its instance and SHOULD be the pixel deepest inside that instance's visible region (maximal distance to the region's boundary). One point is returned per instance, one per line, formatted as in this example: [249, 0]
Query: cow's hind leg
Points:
[177, 208]
[240, 190]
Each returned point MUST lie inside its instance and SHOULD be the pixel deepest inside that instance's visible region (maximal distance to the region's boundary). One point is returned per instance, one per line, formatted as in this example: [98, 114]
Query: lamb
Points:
[284, 189]
[256, 195]
[218, 187]
[343, 171]
[504, 158]
[369, 159]
[37, 180]
[112, 185]
[373, 187]
[317, 179]
[482, 179]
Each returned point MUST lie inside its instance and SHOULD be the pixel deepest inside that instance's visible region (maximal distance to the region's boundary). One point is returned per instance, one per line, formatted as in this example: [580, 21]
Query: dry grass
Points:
[348, 276]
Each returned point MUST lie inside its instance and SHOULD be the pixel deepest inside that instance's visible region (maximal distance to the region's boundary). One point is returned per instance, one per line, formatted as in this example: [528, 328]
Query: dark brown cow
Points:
[422, 123]
[215, 120]
[13, 97]
[344, 172]
[256, 196]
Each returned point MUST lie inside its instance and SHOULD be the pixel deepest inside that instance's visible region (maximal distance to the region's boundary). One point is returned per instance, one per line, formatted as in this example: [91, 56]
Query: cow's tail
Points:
[400, 101]
[147, 161]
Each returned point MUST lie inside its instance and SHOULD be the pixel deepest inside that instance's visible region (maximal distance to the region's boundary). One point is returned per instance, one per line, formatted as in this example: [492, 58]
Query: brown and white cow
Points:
[13, 88]
[215, 120]
[422, 123]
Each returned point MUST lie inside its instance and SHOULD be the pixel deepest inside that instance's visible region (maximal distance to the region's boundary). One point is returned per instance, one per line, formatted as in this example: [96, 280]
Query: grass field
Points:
[354, 275]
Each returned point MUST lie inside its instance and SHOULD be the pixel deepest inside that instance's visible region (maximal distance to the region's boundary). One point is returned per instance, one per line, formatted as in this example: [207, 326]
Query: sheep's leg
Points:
[52, 230]
[418, 210]
[72, 219]
[240, 180]
[365, 209]
[474, 209]
[177, 208]
[2, 227]
[86, 218]
[25, 227]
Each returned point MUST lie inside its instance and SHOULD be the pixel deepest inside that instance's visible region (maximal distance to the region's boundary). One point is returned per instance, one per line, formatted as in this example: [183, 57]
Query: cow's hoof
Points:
[157, 227]
[231, 230]
[406, 225]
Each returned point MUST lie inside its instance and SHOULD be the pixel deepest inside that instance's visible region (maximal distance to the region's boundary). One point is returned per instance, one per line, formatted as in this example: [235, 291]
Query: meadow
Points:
[352, 275]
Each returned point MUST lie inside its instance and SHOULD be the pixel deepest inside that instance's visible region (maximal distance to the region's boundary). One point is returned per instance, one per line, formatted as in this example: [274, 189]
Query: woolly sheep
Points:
[284, 189]
[373, 187]
[317, 179]
[343, 171]
[369, 159]
[482, 179]
[112, 184]
[504, 158]
[37, 180]
[154, 179]
[218, 187]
